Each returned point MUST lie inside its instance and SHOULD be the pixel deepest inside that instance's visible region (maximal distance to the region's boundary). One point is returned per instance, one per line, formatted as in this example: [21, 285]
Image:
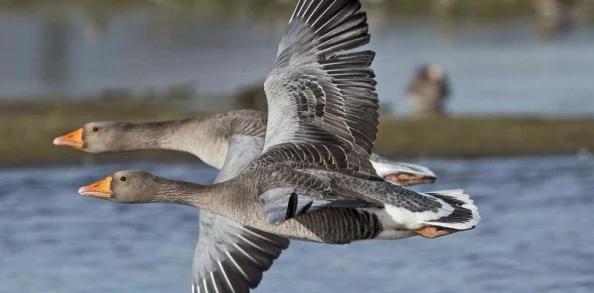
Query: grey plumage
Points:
[315, 163]
[323, 107]
[323, 123]
[209, 138]
[281, 204]
[230, 256]
[314, 179]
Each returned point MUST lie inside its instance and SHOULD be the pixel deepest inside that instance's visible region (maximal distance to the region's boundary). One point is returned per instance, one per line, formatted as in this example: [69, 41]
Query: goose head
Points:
[124, 187]
[95, 137]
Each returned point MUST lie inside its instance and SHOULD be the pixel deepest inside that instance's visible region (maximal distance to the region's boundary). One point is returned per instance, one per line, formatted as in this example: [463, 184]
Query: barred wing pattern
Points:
[230, 257]
[323, 107]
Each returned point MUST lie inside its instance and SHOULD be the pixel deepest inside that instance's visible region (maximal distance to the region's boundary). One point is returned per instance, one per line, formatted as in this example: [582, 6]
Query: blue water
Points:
[535, 236]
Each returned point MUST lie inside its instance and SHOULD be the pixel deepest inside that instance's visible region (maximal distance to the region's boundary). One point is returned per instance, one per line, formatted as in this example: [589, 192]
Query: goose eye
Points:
[123, 178]
[95, 129]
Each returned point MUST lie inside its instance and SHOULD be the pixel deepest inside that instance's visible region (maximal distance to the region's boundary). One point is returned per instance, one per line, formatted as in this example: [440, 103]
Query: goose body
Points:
[208, 139]
[314, 180]
[227, 141]
[231, 257]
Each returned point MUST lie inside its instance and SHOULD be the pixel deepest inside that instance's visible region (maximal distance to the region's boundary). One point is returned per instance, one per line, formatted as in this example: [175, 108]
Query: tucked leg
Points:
[434, 232]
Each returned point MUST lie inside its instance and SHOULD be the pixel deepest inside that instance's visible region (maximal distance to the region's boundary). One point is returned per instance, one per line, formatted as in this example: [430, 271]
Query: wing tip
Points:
[336, 25]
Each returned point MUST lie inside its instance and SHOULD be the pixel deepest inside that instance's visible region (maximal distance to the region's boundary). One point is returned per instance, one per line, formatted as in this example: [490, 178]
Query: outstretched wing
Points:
[323, 106]
[230, 257]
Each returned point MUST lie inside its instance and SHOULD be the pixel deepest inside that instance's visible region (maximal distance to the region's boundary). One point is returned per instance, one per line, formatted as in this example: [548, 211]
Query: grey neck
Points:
[200, 137]
[186, 193]
[138, 136]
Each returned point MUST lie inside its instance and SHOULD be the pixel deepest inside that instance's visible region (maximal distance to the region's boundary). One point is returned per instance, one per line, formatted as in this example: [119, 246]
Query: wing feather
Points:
[230, 257]
[320, 101]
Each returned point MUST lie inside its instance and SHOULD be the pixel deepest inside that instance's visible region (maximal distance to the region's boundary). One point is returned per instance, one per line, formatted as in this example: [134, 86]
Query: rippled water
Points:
[535, 236]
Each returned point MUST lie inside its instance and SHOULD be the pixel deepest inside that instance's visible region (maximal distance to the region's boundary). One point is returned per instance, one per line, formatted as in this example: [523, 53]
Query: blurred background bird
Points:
[429, 90]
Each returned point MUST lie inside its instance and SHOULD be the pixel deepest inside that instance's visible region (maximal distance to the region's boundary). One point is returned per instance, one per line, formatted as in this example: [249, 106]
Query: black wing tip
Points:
[306, 9]
[337, 25]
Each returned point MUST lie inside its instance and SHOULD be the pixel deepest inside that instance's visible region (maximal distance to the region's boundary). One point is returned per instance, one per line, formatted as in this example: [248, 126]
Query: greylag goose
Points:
[313, 180]
[429, 90]
[209, 139]
[206, 138]
[230, 257]
[226, 251]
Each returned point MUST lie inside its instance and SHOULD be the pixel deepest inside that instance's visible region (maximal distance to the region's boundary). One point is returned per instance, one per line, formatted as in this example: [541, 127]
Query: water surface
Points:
[535, 236]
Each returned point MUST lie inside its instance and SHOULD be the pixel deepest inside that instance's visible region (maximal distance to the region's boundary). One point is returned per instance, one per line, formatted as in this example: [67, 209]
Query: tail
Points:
[464, 215]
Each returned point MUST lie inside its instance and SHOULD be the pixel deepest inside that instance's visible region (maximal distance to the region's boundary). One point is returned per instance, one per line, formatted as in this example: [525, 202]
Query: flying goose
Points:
[229, 255]
[314, 180]
[226, 251]
[211, 139]
[207, 139]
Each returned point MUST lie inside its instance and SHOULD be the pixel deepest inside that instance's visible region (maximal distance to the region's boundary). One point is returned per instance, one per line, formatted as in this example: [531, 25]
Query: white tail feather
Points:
[458, 203]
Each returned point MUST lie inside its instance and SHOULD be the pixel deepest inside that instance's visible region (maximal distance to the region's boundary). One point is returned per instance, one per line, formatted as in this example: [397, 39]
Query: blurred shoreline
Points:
[28, 129]
[380, 10]
[551, 17]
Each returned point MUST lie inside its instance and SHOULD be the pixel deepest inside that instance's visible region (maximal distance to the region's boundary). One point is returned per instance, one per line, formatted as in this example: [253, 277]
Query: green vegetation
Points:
[266, 10]
[28, 128]
[471, 137]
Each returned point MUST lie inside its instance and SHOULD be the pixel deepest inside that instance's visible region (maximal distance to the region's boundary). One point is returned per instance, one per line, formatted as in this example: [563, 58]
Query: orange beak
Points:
[73, 139]
[101, 189]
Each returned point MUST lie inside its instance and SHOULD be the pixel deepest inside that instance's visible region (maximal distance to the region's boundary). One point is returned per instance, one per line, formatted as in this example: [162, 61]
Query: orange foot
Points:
[434, 232]
[406, 179]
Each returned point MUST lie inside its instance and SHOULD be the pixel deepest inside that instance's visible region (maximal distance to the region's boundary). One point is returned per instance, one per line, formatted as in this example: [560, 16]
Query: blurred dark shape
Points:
[428, 91]
[386, 109]
[54, 55]
[252, 97]
[554, 17]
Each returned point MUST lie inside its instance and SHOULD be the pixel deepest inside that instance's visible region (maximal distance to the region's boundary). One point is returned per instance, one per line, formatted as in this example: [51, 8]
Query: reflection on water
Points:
[495, 68]
[535, 236]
